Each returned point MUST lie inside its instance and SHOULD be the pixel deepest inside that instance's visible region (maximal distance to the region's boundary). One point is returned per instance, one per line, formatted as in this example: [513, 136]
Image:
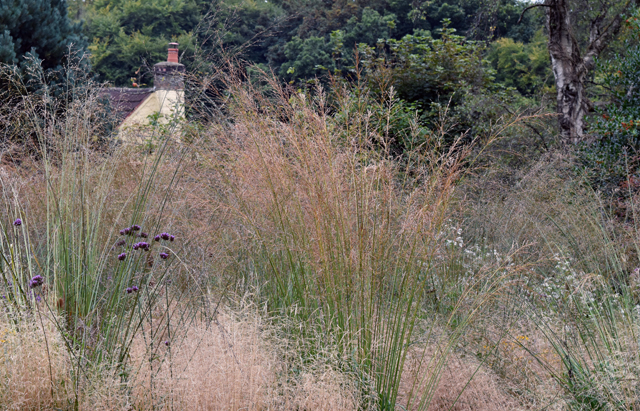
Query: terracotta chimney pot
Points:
[173, 53]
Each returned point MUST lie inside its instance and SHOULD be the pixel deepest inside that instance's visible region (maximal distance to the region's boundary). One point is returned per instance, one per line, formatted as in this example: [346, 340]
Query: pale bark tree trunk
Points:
[569, 71]
[570, 67]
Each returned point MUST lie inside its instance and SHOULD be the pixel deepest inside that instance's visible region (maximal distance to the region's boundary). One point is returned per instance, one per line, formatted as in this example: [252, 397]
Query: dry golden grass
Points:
[462, 383]
[280, 177]
[228, 365]
[26, 383]
[551, 210]
[464, 387]
[234, 363]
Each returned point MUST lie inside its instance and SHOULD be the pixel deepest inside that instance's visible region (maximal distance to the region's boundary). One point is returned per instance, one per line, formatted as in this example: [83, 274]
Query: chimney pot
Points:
[173, 53]
[169, 75]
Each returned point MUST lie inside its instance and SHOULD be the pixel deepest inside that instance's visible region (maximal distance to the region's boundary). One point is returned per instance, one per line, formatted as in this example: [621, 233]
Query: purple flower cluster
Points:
[36, 281]
[164, 236]
[130, 230]
[18, 222]
[133, 289]
[141, 245]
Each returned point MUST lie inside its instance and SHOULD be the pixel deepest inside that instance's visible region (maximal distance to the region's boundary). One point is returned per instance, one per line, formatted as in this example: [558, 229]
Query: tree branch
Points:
[531, 7]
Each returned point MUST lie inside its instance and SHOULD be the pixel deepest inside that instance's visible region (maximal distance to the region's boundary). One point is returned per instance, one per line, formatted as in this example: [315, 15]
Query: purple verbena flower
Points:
[164, 236]
[127, 231]
[164, 256]
[36, 281]
[121, 243]
[122, 256]
[135, 288]
[166, 342]
[135, 227]
[38, 298]
[129, 290]
[157, 238]
[122, 232]
[144, 235]
[18, 222]
[142, 244]
[172, 237]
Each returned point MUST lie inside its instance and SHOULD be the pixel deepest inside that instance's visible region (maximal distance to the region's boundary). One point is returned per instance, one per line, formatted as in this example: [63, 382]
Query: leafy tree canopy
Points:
[523, 66]
[129, 36]
[425, 69]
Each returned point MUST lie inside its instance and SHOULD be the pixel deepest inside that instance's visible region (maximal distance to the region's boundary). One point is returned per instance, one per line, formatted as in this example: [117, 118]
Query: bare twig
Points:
[531, 7]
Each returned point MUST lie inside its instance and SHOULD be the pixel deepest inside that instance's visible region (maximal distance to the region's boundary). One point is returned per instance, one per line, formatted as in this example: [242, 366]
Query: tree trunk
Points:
[570, 68]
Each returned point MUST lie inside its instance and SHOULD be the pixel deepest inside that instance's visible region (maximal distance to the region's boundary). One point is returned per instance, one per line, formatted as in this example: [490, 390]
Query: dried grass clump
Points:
[227, 364]
[552, 210]
[234, 363]
[326, 390]
[463, 384]
[37, 374]
[478, 389]
[25, 382]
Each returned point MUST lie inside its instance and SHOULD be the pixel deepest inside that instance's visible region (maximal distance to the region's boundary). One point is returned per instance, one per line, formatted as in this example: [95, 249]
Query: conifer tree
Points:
[40, 27]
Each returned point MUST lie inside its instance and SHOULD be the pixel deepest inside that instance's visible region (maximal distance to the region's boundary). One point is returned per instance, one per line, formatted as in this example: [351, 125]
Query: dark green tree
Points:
[307, 58]
[426, 69]
[129, 36]
[475, 19]
[39, 27]
[612, 156]
[433, 74]
[252, 28]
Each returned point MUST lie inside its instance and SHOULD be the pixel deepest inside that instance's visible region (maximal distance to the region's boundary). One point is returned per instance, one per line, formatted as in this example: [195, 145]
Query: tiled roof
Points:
[125, 100]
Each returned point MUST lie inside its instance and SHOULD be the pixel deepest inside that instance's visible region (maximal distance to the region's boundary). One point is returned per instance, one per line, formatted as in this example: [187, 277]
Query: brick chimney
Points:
[169, 75]
[173, 53]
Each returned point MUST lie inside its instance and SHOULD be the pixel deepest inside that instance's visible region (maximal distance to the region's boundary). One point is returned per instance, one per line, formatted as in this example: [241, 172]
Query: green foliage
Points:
[477, 19]
[525, 67]
[435, 75]
[392, 124]
[426, 69]
[307, 58]
[368, 29]
[311, 56]
[293, 38]
[615, 155]
[252, 26]
[39, 27]
[129, 36]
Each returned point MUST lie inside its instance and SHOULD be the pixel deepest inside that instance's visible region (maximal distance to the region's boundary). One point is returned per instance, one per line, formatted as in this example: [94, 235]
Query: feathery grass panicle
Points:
[299, 261]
